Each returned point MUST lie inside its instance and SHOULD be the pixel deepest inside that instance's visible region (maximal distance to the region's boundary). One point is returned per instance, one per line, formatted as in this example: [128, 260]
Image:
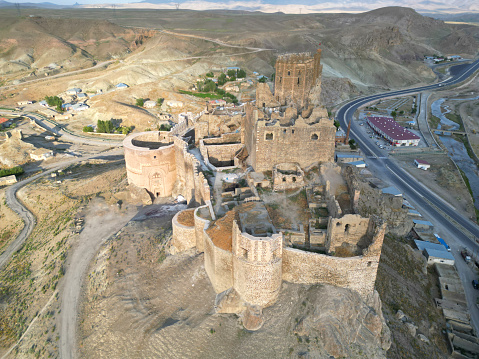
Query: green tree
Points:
[87, 129]
[352, 144]
[210, 74]
[105, 126]
[164, 127]
[232, 78]
[393, 114]
[241, 74]
[140, 102]
[337, 124]
[262, 79]
[231, 73]
[160, 101]
[125, 130]
[54, 101]
[222, 79]
[11, 171]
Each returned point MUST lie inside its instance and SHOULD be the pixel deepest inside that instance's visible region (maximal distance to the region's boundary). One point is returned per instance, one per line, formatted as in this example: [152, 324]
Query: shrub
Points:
[87, 129]
[262, 79]
[241, 74]
[11, 171]
[221, 79]
[160, 101]
[210, 74]
[140, 102]
[165, 127]
[231, 73]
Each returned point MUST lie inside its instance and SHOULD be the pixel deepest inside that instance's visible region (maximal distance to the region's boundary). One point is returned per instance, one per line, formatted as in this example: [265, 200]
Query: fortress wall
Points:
[184, 237]
[248, 130]
[371, 201]
[201, 223]
[350, 228]
[218, 265]
[257, 264]
[154, 170]
[225, 138]
[220, 154]
[191, 182]
[293, 144]
[356, 273]
[257, 283]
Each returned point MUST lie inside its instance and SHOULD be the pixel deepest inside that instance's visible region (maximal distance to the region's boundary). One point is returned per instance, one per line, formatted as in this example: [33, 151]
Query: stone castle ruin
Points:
[283, 142]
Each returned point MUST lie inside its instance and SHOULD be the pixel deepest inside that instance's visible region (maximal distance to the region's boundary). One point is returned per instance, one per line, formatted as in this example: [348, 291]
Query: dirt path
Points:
[101, 223]
[27, 216]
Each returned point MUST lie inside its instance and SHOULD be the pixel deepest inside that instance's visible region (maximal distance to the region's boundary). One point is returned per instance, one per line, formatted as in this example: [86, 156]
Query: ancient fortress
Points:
[283, 136]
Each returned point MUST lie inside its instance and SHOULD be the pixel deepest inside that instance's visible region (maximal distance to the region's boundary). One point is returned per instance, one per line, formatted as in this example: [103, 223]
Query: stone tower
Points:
[295, 75]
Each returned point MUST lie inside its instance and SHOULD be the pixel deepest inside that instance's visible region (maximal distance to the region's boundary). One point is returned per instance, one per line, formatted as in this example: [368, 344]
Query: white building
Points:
[149, 104]
[41, 154]
[424, 165]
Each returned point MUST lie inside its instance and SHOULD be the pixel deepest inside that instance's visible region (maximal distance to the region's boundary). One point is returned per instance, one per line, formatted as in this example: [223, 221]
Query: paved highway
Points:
[438, 211]
[399, 177]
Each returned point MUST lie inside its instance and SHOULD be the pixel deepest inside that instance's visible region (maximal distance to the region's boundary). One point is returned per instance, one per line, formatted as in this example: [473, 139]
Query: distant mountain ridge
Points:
[285, 6]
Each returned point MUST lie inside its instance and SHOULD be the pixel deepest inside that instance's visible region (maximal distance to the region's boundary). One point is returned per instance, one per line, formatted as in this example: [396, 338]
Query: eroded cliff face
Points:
[340, 324]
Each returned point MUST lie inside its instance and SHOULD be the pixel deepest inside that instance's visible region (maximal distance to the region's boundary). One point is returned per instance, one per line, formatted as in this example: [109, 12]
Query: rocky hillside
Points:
[28, 45]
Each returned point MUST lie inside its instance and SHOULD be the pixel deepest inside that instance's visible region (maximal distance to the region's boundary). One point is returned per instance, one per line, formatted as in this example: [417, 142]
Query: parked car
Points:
[465, 255]
[475, 284]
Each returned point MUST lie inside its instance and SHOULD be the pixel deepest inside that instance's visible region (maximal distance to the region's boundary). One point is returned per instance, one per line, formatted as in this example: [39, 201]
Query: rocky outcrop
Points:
[342, 324]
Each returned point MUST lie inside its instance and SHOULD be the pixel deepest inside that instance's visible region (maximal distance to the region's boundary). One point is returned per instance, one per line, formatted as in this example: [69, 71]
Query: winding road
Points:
[457, 229]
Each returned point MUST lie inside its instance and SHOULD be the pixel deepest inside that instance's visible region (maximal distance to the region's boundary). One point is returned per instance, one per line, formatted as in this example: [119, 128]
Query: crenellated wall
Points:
[150, 162]
[295, 75]
[257, 267]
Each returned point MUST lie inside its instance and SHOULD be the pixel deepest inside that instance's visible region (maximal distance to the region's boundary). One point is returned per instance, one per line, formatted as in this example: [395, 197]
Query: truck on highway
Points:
[442, 241]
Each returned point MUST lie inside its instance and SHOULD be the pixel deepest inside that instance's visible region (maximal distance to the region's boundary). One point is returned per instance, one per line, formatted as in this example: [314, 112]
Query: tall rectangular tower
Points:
[295, 75]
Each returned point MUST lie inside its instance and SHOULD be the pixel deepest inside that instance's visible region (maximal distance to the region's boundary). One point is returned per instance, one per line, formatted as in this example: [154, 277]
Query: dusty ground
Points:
[404, 284]
[10, 223]
[442, 178]
[141, 304]
[29, 284]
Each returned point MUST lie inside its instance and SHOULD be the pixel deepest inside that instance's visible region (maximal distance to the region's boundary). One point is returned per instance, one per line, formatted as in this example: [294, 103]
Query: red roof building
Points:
[392, 131]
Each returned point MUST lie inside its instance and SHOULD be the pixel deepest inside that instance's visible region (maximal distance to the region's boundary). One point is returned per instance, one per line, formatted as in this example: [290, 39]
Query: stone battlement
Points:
[303, 57]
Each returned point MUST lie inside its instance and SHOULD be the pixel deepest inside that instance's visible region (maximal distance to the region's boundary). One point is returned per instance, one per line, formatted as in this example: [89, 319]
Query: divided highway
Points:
[396, 175]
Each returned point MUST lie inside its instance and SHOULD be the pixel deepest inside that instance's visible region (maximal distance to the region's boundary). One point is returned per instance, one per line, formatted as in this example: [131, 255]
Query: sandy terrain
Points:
[442, 178]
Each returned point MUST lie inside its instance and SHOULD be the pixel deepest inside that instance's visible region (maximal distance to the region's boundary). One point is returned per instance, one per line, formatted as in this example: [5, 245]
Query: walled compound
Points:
[266, 202]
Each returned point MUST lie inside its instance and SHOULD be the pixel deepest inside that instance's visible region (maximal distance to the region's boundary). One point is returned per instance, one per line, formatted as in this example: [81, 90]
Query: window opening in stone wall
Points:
[269, 136]
[284, 179]
[294, 179]
[298, 81]
[314, 136]
[280, 79]
[264, 104]
[369, 263]
[284, 131]
[338, 224]
[154, 156]
[292, 131]
[289, 73]
[346, 228]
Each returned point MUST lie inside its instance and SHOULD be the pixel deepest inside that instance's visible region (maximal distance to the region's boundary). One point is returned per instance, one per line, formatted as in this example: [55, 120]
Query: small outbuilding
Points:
[424, 165]
[7, 180]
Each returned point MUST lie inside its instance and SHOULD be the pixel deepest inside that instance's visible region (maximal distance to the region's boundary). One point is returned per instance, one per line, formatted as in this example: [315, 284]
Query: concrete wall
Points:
[222, 155]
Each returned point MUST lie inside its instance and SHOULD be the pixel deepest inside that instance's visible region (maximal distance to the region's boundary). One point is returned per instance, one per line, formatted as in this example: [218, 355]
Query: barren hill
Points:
[30, 44]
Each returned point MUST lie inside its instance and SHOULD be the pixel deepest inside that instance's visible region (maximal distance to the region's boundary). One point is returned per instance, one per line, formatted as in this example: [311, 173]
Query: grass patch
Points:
[212, 96]
[468, 185]
[455, 118]
[434, 121]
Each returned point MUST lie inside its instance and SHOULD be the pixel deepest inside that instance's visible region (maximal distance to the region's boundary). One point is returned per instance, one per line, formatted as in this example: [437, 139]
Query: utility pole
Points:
[17, 5]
